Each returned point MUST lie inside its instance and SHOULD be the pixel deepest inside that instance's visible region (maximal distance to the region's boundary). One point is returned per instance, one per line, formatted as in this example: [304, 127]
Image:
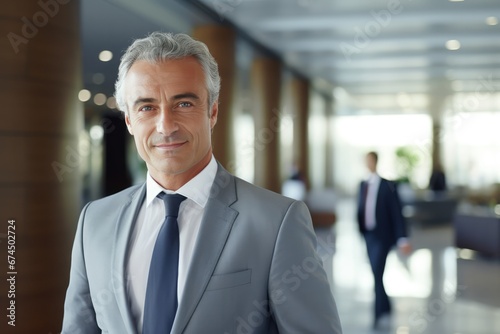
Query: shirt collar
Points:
[373, 177]
[197, 189]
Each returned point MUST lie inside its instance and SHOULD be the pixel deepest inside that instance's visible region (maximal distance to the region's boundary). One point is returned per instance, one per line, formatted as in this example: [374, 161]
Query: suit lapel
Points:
[124, 226]
[215, 227]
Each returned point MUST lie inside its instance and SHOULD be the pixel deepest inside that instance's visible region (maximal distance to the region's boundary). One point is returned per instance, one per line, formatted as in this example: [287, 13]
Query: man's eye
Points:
[185, 104]
[146, 108]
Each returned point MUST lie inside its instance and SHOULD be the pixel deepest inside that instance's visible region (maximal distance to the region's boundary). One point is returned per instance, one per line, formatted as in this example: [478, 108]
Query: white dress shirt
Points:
[371, 201]
[147, 227]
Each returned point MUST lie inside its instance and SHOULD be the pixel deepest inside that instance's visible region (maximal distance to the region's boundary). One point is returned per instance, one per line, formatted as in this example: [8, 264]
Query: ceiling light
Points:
[111, 102]
[100, 99]
[453, 45]
[96, 132]
[84, 95]
[491, 21]
[404, 100]
[456, 0]
[105, 55]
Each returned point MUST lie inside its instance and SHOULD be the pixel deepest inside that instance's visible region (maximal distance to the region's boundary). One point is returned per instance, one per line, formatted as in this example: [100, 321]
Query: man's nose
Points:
[166, 123]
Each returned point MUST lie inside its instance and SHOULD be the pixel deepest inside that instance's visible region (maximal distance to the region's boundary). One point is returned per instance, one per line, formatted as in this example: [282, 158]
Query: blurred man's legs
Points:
[377, 254]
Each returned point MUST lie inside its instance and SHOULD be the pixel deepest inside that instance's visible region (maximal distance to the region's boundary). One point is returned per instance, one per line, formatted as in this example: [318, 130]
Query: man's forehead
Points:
[190, 62]
[170, 79]
[185, 69]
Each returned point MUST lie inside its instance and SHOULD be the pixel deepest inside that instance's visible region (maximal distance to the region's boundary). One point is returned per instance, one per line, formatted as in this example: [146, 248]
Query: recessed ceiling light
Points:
[96, 132]
[100, 99]
[111, 102]
[404, 99]
[456, 0]
[491, 21]
[453, 45]
[84, 95]
[105, 55]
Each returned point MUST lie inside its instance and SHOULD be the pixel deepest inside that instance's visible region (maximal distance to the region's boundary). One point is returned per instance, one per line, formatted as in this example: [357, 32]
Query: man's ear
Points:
[214, 112]
[129, 124]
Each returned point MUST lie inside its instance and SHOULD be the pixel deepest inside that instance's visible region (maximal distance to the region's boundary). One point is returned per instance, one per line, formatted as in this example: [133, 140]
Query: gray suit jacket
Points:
[254, 268]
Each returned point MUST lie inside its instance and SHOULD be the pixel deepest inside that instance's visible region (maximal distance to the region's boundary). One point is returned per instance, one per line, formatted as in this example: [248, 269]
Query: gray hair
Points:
[160, 46]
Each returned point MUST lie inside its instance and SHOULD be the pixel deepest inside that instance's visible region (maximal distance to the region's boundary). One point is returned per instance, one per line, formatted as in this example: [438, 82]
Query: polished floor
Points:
[436, 290]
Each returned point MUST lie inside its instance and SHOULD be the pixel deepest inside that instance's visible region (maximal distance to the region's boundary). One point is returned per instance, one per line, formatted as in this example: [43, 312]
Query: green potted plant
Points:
[406, 161]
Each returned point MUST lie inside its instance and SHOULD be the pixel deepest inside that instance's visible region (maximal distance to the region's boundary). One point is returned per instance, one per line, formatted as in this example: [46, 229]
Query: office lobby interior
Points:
[308, 88]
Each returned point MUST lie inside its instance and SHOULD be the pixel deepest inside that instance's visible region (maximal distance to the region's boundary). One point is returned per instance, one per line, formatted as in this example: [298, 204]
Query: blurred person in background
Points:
[383, 226]
[437, 181]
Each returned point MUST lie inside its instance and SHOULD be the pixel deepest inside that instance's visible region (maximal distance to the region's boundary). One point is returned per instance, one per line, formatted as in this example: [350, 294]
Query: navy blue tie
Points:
[161, 295]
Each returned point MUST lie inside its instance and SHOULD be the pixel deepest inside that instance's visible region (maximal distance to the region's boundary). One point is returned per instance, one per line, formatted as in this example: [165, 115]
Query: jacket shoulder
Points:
[264, 198]
[111, 201]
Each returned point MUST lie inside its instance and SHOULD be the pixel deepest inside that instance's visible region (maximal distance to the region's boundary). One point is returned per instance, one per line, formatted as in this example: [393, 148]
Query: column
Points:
[436, 107]
[40, 78]
[221, 43]
[300, 102]
[436, 145]
[329, 112]
[266, 89]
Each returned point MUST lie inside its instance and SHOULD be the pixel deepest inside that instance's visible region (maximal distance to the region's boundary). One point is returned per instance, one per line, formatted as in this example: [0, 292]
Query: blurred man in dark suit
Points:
[383, 226]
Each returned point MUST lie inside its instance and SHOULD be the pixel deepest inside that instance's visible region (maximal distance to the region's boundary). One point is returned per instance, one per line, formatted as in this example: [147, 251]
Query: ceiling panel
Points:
[367, 47]
[370, 46]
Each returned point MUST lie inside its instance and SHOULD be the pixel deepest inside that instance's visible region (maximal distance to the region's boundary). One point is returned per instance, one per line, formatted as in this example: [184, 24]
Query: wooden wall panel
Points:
[40, 123]
[300, 95]
[266, 89]
[221, 40]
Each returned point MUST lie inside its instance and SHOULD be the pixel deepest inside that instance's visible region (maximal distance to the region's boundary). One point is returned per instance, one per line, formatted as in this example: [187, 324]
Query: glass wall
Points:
[472, 149]
[353, 136]
[471, 140]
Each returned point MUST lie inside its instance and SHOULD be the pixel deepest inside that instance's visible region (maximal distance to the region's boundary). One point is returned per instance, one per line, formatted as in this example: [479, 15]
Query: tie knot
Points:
[172, 203]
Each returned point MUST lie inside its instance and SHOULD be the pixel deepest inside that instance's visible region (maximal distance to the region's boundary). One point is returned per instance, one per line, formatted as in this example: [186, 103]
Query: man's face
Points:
[371, 164]
[169, 116]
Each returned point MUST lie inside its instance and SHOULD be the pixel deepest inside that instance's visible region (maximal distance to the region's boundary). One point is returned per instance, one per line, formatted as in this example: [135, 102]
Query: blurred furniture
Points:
[323, 219]
[321, 203]
[431, 210]
[478, 230]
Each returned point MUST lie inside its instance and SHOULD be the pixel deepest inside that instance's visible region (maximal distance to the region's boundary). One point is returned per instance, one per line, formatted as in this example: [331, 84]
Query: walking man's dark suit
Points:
[245, 256]
[383, 226]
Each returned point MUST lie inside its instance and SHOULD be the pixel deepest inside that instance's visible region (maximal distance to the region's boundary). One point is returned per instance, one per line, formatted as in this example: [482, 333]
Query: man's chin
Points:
[172, 168]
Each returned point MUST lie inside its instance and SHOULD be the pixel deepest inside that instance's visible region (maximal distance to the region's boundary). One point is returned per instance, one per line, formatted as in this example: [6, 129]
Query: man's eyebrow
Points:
[186, 96]
[181, 96]
[144, 100]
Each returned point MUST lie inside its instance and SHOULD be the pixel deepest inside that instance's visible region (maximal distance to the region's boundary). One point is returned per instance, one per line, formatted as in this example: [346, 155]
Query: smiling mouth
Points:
[169, 146]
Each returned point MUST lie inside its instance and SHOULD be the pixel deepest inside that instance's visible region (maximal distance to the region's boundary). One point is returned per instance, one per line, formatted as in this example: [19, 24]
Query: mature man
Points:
[194, 249]
[383, 226]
